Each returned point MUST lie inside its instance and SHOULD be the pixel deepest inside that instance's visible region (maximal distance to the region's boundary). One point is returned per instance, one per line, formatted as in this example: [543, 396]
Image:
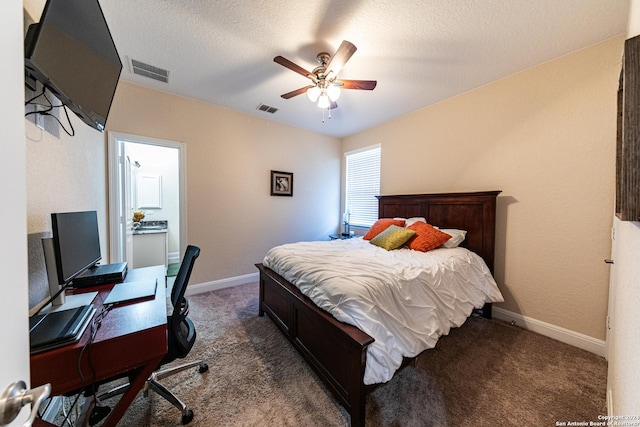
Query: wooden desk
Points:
[131, 339]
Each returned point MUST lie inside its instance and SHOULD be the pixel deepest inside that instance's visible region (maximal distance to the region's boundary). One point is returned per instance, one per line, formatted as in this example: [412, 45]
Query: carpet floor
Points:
[485, 373]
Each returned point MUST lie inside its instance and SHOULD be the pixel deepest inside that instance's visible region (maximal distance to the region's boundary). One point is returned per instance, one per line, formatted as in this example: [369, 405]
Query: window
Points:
[362, 185]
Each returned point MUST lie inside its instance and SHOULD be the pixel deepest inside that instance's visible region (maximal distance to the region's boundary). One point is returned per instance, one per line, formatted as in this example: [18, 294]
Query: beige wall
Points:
[546, 138]
[230, 213]
[66, 174]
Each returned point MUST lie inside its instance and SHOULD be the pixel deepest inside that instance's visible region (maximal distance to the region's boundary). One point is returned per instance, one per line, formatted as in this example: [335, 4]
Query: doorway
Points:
[148, 176]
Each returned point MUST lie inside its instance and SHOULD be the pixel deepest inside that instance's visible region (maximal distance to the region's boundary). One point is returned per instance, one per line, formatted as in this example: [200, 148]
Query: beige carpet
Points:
[485, 373]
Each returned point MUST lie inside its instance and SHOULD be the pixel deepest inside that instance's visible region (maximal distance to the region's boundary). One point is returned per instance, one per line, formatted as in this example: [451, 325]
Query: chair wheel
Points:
[187, 417]
[98, 414]
[203, 368]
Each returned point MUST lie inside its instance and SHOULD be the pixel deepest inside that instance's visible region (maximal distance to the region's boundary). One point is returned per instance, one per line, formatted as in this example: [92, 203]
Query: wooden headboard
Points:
[473, 212]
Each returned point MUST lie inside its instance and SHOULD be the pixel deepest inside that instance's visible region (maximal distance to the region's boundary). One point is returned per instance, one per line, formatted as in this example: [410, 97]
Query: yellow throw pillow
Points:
[393, 237]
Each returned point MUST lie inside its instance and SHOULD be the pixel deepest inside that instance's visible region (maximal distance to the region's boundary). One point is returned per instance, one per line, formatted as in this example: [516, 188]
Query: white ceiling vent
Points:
[267, 108]
[146, 70]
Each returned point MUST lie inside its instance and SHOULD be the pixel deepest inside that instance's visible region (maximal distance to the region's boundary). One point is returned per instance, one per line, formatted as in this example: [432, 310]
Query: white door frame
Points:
[118, 221]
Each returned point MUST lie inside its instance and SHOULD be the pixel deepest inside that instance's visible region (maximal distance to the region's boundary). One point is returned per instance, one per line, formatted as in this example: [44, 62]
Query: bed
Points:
[337, 351]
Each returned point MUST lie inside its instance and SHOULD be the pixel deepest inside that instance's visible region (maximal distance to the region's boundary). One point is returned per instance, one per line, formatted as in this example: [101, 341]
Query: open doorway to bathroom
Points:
[146, 201]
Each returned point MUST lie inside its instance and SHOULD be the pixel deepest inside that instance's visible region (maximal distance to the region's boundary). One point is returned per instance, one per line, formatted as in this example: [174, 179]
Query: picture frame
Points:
[281, 183]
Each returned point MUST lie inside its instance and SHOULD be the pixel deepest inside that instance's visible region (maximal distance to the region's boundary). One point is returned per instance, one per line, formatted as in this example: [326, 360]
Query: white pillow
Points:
[409, 221]
[457, 237]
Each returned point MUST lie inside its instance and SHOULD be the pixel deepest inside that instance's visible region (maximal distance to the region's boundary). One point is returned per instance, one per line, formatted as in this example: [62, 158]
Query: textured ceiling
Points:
[419, 51]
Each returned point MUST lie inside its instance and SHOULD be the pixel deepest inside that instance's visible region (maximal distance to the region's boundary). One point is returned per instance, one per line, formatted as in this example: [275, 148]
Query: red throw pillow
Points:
[427, 237]
[380, 225]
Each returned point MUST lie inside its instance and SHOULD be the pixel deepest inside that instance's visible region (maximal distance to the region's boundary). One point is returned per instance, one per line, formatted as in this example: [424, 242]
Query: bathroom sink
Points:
[150, 226]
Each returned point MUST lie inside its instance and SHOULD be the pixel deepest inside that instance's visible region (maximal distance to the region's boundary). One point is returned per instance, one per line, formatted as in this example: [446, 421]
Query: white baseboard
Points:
[566, 336]
[222, 283]
[173, 257]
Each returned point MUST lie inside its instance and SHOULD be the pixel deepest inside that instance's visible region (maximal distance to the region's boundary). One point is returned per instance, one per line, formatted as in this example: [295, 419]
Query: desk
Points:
[132, 339]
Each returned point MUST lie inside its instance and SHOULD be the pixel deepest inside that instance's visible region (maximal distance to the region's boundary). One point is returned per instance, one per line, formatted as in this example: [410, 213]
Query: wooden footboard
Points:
[335, 350]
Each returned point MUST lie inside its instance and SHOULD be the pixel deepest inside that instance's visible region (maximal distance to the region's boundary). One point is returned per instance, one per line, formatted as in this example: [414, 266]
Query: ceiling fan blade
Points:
[294, 67]
[342, 55]
[333, 105]
[296, 92]
[356, 84]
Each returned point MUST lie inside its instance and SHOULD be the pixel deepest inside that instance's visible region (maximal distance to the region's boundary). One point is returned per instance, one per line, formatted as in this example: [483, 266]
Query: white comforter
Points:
[404, 299]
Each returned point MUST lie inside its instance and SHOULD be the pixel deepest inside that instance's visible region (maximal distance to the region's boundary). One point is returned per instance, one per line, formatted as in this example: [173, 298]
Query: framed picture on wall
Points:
[281, 183]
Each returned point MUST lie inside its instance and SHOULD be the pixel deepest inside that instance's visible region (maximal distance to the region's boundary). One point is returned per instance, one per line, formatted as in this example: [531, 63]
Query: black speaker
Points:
[52, 270]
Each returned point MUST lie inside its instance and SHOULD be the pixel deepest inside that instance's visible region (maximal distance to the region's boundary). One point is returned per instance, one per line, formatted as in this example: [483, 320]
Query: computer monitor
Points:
[76, 243]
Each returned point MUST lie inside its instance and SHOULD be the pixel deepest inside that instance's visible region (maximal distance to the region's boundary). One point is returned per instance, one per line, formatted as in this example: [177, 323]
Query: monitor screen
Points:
[76, 243]
[71, 52]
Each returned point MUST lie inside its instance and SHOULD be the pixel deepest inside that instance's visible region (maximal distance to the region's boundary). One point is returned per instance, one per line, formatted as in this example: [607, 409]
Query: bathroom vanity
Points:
[150, 241]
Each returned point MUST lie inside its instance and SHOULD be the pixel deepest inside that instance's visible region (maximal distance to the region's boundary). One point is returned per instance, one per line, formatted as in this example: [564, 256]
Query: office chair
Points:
[181, 337]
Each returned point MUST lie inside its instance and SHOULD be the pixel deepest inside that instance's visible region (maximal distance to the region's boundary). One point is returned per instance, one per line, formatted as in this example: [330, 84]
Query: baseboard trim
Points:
[222, 283]
[173, 257]
[566, 336]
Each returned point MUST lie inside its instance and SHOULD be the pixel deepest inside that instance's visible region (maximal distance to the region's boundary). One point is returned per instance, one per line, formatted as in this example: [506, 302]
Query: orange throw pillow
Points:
[427, 237]
[380, 225]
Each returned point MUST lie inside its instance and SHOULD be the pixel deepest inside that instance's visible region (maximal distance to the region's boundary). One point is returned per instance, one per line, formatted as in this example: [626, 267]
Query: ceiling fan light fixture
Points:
[323, 101]
[333, 92]
[313, 93]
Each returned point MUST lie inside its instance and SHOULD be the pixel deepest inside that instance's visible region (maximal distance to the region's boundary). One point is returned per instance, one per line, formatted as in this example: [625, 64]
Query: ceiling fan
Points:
[326, 86]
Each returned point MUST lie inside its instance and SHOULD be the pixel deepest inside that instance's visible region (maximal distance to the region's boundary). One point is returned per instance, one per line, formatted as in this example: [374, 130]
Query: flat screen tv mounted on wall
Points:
[71, 52]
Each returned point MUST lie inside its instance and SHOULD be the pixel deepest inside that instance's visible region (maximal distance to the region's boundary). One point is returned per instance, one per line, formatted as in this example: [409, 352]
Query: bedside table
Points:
[340, 236]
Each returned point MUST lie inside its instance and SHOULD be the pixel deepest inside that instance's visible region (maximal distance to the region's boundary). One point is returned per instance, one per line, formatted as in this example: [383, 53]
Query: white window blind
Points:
[362, 185]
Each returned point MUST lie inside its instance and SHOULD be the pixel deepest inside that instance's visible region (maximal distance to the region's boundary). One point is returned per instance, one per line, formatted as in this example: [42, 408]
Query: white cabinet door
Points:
[149, 249]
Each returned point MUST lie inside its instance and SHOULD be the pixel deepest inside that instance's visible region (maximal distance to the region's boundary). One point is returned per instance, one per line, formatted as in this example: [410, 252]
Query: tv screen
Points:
[76, 243]
[71, 52]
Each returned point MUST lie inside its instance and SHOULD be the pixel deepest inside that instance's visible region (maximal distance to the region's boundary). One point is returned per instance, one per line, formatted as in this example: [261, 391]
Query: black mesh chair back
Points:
[181, 331]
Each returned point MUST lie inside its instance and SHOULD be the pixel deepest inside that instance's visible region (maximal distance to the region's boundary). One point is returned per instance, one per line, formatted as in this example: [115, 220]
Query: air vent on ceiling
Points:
[146, 70]
[267, 108]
